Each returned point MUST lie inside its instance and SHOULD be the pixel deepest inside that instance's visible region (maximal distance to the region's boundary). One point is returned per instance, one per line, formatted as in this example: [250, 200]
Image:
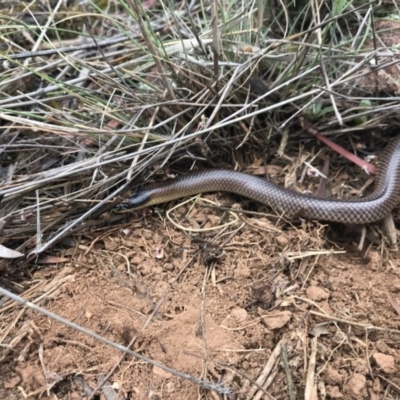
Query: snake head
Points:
[137, 200]
[121, 207]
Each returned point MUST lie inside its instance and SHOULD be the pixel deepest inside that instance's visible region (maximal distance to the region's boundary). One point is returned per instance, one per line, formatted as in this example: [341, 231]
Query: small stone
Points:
[239, 314]
[282, 241]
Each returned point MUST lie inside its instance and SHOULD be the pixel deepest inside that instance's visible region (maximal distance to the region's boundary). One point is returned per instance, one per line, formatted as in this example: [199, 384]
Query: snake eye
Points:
[121, 206]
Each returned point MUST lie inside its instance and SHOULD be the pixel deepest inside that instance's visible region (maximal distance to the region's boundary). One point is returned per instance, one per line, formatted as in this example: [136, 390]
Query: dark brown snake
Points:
[371, 208]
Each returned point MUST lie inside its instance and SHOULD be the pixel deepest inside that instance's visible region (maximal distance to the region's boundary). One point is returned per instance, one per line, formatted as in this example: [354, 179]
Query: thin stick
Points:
[266, 371]
[308, 392]
[289, 380]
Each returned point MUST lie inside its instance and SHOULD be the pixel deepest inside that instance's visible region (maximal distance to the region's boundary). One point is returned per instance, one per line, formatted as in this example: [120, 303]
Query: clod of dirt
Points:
[75, 396]
[356, 386]
[31, 376]
[385, 362]
[12, 382]
[277, 321]
[333, 392]
[316, 293]
[332, 376]
[265, 295]
[375, 260]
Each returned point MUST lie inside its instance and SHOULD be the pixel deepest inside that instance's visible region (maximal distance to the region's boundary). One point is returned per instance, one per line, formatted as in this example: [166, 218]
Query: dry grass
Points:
[167, 85]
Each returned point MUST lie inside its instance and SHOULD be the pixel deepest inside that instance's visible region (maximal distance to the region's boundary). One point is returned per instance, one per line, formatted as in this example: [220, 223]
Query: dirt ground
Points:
[244, 301]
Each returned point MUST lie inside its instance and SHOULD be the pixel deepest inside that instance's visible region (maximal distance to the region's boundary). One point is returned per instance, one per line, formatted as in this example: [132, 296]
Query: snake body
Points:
[371, 208]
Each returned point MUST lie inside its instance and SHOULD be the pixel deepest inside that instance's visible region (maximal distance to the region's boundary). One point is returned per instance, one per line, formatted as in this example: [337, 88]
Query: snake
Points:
[374, 207]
